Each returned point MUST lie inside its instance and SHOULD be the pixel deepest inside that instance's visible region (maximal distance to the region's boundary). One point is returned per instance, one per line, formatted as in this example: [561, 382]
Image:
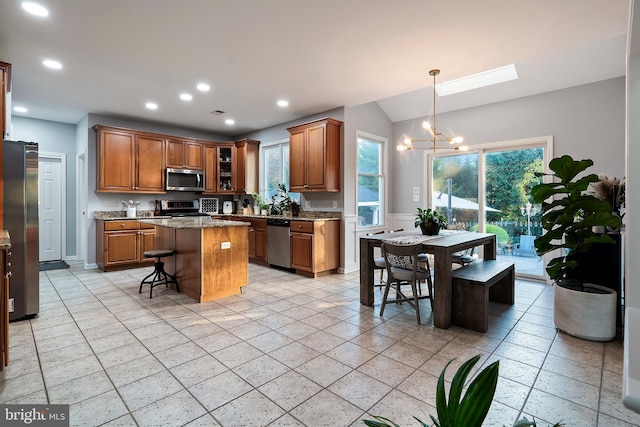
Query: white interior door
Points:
[50, 208]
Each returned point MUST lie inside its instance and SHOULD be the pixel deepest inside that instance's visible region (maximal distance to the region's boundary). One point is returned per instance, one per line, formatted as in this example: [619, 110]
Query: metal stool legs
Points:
[160, 276]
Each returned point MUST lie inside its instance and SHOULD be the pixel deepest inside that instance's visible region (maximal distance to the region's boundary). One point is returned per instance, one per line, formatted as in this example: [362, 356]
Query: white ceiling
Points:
[319, 55]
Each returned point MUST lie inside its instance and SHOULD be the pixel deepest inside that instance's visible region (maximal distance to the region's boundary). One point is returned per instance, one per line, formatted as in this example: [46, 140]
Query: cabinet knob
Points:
[122, 224]
[300, 226]
[8, 274]
[306, 186]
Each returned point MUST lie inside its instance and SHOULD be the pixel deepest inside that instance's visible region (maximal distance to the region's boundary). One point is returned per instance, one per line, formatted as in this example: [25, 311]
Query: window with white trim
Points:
[370, 185]
[275, 158]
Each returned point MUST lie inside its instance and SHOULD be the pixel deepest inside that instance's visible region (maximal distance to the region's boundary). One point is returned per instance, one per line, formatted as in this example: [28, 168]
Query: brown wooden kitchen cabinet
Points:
[315, 246]
[185, 154]
[210, 169]
[5, 87]
[258, 241]
[314, 156]
[247, 166]
[226, 164]
[122, 243]
[129, 161]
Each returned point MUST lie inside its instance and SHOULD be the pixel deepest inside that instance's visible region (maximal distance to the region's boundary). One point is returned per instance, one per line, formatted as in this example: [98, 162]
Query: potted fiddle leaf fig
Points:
[571, 218]
[430, 221]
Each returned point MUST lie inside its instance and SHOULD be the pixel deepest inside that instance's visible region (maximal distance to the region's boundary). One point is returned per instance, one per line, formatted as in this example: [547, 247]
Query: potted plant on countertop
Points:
[261, 206]
[569, 219]
[430, 221]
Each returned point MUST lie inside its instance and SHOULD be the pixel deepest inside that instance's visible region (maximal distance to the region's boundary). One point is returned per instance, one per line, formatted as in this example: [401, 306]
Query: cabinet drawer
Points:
[259, 223]
[121, 225]
[302, 226]
[144, 226]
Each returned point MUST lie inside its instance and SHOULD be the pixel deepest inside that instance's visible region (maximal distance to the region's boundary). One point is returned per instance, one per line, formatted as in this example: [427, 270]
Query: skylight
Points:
[475, 81]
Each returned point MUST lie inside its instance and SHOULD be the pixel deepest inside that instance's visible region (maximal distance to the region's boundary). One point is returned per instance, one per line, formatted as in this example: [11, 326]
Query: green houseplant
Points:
[569, 217]
[430, 221]
[463, 408]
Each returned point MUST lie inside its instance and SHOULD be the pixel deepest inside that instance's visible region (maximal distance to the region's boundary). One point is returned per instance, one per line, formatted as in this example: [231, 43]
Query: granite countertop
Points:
[120, 215]
[5, 240]
[191, 222]
[304, 216]
[307, 216]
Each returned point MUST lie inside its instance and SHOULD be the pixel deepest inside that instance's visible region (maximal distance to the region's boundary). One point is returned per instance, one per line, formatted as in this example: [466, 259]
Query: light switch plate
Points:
[225, 245]
[335, 204]
[416, 197]
[416, 190]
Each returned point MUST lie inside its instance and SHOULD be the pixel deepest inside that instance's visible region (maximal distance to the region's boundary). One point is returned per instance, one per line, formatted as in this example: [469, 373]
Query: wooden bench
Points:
[474, 285]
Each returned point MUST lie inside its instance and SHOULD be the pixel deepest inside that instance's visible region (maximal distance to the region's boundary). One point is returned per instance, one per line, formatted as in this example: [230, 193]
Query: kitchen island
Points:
[211, 256]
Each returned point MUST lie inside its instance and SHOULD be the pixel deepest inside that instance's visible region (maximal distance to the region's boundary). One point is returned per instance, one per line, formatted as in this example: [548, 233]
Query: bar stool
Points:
[160, 277]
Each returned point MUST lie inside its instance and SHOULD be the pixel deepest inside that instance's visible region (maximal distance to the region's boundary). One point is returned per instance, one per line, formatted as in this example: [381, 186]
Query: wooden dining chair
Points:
[403, 268]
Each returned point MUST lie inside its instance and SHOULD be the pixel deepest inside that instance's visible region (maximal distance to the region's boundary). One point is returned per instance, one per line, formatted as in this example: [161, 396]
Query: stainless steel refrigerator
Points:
[20, 178]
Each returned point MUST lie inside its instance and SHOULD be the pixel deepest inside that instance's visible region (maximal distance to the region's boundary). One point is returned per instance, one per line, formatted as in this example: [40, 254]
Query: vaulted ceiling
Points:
[318, 55]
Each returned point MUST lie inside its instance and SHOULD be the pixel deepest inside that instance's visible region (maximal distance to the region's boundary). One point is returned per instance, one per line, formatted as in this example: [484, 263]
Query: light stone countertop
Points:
[306, 217]
[191, 222]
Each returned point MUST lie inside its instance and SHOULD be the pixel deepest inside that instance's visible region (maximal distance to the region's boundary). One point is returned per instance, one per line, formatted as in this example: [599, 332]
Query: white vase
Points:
[263, 212]
[131, 212]
[587, 315]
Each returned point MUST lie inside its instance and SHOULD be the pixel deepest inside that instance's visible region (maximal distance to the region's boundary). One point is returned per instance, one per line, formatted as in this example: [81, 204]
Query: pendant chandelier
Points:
[436, 137]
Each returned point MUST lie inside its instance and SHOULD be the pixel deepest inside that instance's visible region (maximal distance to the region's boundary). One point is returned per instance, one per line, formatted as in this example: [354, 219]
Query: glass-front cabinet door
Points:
[226, 168]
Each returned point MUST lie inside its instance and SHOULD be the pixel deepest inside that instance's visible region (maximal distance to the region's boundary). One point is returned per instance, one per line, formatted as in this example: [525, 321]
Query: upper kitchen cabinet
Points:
[210, 169]
[184, 154]
[5, 87]
[247, 166]
[314, 156]
[130, 161]
[226, 164]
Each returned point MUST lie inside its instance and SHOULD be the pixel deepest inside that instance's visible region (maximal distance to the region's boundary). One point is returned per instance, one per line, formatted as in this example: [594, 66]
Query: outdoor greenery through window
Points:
[370, 181]
[508, 210]
[276, 170]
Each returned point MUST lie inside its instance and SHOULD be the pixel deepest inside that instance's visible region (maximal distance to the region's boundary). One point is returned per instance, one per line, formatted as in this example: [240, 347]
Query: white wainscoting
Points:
[351, 244]
[402, 220]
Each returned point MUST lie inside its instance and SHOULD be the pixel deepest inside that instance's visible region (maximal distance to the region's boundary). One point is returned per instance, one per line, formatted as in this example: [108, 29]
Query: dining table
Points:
[442, 246]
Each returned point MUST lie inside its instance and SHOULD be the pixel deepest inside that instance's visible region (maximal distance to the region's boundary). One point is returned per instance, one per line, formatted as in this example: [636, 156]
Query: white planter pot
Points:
[131, 212]
[591, 316]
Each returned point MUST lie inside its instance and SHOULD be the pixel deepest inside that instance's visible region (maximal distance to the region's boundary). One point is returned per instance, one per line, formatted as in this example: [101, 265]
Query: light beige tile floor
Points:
[290, 351]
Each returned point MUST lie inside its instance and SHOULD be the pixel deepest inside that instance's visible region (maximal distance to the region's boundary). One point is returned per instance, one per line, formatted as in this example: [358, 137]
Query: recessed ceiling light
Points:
[151, 105]
[283, 103]
[50, 63]
[35, 8]
[230, 122]
[19, 109]
[203, 87]
[186, 96]
[475, 81]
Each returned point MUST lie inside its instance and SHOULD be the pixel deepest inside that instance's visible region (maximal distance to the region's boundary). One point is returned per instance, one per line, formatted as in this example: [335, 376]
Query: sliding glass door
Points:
[489, 190]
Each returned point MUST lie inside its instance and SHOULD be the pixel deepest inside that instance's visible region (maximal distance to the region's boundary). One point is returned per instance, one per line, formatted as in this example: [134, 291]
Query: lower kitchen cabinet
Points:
[122, 243]
[258, 241]
[315, 246]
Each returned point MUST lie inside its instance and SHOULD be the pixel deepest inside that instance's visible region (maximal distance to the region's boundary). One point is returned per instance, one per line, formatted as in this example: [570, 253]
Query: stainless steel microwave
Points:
[184, 180]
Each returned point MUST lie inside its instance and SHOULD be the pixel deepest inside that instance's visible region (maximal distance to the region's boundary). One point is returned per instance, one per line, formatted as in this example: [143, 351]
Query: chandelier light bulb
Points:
[436, 137]
[402, 148]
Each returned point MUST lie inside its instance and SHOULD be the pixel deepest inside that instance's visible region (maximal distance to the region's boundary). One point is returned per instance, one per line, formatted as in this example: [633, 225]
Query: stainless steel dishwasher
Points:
[279, 242]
